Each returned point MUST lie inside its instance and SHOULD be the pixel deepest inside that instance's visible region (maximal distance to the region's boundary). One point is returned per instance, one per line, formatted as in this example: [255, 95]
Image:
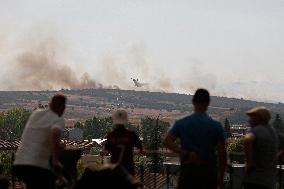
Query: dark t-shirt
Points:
[123, 140]
[199, 133]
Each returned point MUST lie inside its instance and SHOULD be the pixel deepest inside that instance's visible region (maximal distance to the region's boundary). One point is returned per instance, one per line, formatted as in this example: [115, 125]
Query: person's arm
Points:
[222, 156]
[55, 143]
[248, 148]
[169, 142]
[107, 145]
[137, 142]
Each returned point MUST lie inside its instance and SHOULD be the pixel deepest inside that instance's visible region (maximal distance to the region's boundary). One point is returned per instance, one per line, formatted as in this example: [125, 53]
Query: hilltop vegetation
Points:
[86, 103]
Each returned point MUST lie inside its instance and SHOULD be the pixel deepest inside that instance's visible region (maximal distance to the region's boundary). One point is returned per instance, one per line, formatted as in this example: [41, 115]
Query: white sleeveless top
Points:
[35, 147]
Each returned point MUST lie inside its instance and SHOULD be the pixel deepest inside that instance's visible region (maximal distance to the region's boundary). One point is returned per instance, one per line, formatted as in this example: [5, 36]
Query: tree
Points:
[227, 128]
[12, 123]
[134, 128]
[95, 127]
[99, 127]
[278, 124]
[79, 125]
[236, 151]
[150, 127]
[236, 146]
[152, 130]
[6, 161]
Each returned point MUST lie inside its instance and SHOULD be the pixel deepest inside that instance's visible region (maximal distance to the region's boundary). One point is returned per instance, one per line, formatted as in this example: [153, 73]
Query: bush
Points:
[6, 161]
[12, 123]
[96, 150]
[236, 151]
[236, 146]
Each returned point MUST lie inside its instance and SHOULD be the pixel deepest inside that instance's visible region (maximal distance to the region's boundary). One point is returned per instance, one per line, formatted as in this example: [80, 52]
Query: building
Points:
[238, 130]
[73, 134]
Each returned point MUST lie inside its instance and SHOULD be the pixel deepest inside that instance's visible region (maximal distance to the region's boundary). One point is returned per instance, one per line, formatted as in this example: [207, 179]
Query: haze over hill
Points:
[87, 103]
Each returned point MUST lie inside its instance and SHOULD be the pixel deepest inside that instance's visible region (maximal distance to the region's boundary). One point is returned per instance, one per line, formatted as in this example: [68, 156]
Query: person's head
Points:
[258, 116]
[201, 100]
[58, 103]
[120, 118]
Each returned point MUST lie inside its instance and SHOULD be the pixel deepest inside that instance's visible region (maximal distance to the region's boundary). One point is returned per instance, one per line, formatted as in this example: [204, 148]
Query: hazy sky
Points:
[233, 47]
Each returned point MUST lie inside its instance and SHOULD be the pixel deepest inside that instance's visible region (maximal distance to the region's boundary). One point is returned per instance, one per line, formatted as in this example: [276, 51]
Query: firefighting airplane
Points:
[137, 83]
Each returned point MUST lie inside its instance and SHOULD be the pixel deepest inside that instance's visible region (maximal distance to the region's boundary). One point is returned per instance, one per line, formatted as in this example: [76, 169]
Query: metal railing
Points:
[170, 172]
[166, 176]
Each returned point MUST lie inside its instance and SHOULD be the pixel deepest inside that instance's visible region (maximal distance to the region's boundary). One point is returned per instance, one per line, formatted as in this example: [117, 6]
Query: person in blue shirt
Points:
[200, 137]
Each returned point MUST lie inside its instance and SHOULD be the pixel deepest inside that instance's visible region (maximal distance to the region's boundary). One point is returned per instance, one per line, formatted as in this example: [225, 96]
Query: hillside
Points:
[86, 103]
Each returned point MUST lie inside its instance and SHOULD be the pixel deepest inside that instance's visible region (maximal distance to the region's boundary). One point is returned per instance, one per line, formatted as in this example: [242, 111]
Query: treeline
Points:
[150, 129]
[106, 98]
[137, 99]
[168, 101]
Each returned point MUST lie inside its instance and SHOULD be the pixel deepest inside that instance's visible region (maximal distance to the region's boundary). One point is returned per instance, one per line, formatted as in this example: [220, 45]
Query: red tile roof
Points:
[9, 145]
[149, 180]
[13, 145]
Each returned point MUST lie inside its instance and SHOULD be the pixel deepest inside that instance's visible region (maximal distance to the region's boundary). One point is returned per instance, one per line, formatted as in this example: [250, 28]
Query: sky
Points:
[234, 48]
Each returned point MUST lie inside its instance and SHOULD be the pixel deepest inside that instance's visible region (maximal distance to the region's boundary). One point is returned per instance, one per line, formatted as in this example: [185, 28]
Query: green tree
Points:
[103, 126]
[152, 130]
[95, 127]
[79, 125]
[236, 146]
[99, 127]
[134, 128]
[12, 123]
[236, 151]
[149, 128]
[227, 128]
[6, 162]
[278, 124]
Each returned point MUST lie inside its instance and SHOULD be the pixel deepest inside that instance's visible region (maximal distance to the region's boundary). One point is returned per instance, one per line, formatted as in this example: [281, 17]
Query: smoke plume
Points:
[40, 67]
[42, 64]
[117, 68]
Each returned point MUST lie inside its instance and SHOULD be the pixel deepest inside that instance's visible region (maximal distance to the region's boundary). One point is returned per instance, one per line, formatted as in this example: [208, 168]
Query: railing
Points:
[151, 179]
[166, 176]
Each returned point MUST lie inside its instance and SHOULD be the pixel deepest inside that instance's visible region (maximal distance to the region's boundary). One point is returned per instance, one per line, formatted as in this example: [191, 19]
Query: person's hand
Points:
[58, 171]
[57, 167]
[192, 157]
